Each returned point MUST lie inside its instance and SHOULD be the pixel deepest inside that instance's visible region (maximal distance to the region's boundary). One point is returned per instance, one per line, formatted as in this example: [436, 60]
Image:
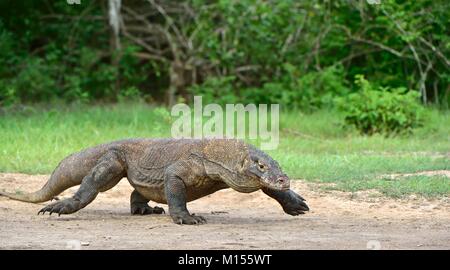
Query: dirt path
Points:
[337, 220]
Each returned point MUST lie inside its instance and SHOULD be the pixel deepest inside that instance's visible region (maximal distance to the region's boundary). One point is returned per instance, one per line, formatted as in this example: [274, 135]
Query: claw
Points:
[158, 210]
[61, 211]
[146, 210]
[60, 208]
[300, 197]
[189, 219]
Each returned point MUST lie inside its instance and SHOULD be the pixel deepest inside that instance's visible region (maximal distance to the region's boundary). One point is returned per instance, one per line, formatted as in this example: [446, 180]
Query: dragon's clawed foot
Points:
[296, 205]
[188, 219]
[144, 209]
[66, 206]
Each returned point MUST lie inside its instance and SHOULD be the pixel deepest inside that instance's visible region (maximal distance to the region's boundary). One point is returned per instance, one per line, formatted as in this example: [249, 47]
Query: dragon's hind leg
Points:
[139, 205]
[106, 174]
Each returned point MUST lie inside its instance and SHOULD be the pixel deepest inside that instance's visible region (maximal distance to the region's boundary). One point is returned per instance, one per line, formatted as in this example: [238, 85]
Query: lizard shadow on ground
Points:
[212, 219]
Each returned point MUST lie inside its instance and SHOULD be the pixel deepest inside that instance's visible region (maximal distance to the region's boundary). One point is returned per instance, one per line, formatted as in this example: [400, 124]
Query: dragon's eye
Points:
[261, 166]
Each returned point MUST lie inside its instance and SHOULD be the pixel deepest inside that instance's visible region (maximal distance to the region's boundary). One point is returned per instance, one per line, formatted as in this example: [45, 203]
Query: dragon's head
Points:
[261, 167]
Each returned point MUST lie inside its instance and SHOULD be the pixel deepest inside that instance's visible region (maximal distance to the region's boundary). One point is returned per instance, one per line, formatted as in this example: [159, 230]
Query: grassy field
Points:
[313, 147]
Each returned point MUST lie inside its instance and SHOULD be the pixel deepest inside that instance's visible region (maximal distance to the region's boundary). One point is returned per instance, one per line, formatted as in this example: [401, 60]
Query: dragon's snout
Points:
[283, 182]
[276, 182]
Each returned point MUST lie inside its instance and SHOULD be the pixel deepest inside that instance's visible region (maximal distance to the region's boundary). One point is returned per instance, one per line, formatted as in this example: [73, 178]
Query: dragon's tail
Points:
[70, 172]
[34, 197]
[58, 182]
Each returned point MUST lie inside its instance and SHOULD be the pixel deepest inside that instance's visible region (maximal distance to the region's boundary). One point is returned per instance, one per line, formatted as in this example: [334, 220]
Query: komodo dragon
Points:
[171, 171]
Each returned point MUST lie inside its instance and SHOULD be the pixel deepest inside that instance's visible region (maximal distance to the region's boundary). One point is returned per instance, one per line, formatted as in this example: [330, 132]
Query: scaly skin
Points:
[170, 171]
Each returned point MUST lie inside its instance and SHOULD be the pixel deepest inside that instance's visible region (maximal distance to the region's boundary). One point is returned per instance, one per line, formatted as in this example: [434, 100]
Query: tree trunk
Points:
[114, 22]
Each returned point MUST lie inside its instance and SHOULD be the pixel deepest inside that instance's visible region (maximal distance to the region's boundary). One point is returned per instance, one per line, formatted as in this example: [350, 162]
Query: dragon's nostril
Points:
[282, 180]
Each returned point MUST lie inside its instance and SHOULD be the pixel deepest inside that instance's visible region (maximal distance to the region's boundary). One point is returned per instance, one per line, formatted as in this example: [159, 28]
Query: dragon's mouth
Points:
[247, 188]
[277, 187]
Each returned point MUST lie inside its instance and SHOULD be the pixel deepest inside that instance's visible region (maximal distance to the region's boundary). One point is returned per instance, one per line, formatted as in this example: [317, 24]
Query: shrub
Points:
[129, 94]
[382, 109]
[310, 91]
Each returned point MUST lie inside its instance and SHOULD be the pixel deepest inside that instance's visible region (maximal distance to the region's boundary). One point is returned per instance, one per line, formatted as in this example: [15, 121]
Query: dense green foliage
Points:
[300, 54]
[382, 110]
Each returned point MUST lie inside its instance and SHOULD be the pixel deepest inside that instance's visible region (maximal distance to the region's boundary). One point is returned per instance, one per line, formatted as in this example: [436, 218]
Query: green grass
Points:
[427, 186]
[35, 141]
[313, 147]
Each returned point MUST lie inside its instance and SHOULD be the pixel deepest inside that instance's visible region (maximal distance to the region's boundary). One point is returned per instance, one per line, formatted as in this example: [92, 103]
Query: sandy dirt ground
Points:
[337, 220]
